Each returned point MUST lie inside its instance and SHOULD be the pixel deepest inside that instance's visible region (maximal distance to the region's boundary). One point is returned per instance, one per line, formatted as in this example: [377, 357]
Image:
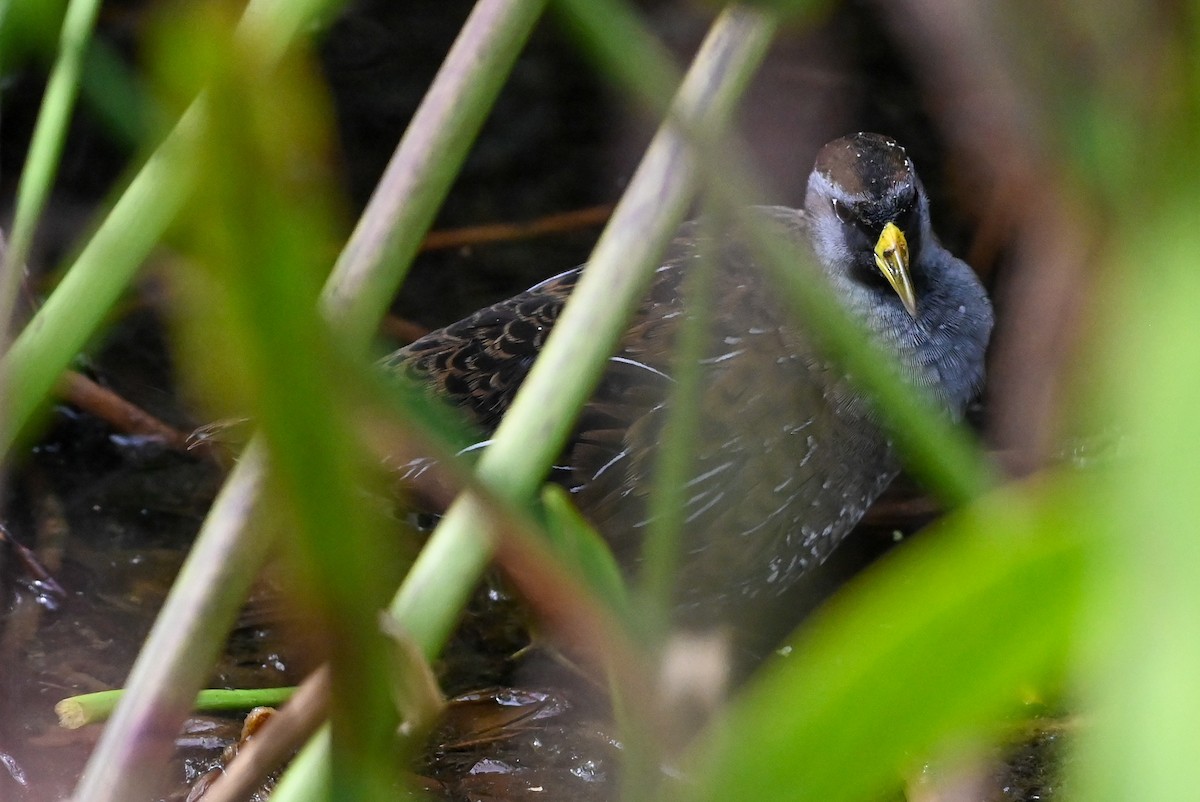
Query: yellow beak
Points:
[891, 257]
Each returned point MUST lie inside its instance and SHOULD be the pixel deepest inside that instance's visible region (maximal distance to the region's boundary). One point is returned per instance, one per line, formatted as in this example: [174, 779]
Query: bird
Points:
[788, 453]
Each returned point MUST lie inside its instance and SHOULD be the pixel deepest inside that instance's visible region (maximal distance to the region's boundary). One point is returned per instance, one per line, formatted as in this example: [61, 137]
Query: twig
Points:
[402, 330]
[123, 415]
[31, 564]
[507, 232]
[283, 733]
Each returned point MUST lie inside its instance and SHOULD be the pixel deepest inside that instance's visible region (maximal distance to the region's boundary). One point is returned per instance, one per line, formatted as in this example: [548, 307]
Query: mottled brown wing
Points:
[478, 363]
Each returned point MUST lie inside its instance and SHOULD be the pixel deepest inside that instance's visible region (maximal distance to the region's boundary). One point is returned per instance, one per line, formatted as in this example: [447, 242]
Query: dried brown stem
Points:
[402, 330]
[557, 223]
[281, 735]
[123, 415]
[32, 566]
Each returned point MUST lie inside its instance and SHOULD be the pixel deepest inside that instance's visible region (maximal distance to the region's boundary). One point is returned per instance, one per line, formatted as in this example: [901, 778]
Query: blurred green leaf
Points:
[674, 465]
[1143, 657]
[262, 228]
[45, 151]
[28, 28]
[934, 643]
[116, 96]
[582, 549]
[1139, 668]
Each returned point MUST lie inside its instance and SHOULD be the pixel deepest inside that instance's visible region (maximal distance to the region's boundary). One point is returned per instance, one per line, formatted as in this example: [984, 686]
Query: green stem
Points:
[17, 397]
[91, 708]
[73, 312]
[672, 469]
[374, 262]
[45, 149]
[178, 655]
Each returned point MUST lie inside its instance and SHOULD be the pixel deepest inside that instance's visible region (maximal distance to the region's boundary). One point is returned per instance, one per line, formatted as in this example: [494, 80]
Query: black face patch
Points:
[869, 216]
[908, 219]
[854, 216]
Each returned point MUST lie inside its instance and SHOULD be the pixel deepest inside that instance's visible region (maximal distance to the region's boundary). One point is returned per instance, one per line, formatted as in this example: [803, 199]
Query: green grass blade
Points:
[41, 163]
[936, 641]
[673, 467]
[257, 230]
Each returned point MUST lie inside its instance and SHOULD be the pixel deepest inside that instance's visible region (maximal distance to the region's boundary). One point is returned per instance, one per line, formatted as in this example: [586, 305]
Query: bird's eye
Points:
[840, 211]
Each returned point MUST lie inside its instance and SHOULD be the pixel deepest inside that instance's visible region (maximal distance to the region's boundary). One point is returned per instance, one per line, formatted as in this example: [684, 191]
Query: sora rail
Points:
[789, 454]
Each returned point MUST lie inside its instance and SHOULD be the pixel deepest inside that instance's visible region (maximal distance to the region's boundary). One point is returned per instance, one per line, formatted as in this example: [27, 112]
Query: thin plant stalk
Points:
[45, 150]
[100, 274]
[179, 652]
[375, 261]
[646, 746]
[660, 550]
[254, 235]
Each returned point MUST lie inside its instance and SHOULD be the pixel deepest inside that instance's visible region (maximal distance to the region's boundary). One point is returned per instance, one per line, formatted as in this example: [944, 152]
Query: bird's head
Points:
[868, 213]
